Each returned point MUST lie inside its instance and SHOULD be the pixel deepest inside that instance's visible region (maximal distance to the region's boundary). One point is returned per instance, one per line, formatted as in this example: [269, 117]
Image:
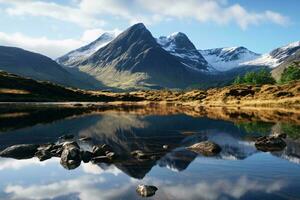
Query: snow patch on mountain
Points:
[84, 52]
[223, 59]
[275, 57]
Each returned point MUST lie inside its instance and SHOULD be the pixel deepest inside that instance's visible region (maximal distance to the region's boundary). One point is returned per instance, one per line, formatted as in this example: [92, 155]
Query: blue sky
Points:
[57, 26]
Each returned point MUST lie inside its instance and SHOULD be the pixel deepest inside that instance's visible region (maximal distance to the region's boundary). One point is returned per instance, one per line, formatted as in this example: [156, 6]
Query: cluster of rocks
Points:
[69, 152]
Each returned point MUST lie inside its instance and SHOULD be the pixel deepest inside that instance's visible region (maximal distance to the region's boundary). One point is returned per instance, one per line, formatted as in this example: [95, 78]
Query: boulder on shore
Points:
[70, 156]
[206, 148]
[20, 151]
[146, 190]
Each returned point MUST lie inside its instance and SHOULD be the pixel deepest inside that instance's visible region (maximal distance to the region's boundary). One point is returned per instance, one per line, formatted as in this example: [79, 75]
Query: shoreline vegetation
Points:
[18, 89]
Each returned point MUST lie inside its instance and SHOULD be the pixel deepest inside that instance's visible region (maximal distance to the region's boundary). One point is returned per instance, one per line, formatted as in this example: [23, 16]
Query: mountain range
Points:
[135, 59]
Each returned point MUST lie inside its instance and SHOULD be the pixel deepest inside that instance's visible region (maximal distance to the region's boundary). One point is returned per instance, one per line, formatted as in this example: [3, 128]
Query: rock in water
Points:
[43, 155]
[98, 150]
[86, 156]
[206, 148]
[21, 151]
[270, 143]
[101, 159]
[140, 155]
[66, 137]
[70, 156]
[146, 190]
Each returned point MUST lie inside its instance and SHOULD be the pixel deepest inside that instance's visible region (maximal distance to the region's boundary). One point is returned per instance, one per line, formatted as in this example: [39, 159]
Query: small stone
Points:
[146, 190]
[206, 148]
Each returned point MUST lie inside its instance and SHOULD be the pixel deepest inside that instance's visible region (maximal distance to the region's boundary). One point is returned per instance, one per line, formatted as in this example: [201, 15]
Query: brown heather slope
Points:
[18, 89]
[237, 95]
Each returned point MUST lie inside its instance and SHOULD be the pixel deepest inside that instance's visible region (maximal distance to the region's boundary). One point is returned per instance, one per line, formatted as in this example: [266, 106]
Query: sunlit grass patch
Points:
[13, 91]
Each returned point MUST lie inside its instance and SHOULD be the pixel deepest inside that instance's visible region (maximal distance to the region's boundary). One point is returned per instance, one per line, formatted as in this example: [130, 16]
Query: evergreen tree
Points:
[261, 77]
[291, 73]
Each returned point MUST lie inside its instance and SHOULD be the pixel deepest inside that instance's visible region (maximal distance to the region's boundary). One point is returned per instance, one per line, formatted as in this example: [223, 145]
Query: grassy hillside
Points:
[16, 88]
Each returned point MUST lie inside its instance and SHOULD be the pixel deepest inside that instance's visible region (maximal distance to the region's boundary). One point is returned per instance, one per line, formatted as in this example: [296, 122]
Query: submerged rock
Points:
[111, 155]
[84, 138]
[70, 156]
[101, 159]
[146, 190]
[279, 135]
[270, 143]
[43, 155]
[206, 148]
[66, 137]
[98, 151]
[140, 155]
[86, 156]
[21, 151]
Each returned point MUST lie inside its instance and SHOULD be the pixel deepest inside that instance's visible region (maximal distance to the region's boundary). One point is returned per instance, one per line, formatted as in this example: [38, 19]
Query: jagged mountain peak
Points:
[179, 45]
[177, 40]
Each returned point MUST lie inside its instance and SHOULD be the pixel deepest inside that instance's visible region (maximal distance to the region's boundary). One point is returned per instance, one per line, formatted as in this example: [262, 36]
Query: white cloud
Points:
[216, 190]
[90, 168]
[52, 10]
[89, 13]
[84, 187]
[91, 187]
[212, 11]
[13, 164]
[50, 47]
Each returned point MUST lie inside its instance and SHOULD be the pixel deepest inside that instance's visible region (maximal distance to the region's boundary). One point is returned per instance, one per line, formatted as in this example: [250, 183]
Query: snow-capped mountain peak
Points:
[75, 56]
[223, 59]
[275, 57]
[179, 45]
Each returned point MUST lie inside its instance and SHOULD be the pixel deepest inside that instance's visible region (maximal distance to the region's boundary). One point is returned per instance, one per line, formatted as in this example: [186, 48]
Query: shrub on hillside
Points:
[261, 77]
[291, 73]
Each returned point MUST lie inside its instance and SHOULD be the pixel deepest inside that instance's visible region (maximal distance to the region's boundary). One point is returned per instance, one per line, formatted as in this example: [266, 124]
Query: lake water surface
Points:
[240, 171]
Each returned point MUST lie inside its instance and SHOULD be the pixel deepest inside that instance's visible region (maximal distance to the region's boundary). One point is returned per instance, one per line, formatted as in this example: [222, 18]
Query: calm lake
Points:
[240, 171]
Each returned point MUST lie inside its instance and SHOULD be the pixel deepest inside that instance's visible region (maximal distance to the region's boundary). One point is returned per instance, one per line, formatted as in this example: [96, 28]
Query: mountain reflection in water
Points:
[240, 171]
